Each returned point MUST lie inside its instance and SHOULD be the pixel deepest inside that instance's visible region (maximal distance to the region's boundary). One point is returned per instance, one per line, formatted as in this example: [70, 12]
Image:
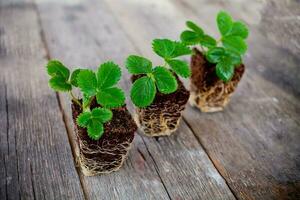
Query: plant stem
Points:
[87, 106]
[75, 99]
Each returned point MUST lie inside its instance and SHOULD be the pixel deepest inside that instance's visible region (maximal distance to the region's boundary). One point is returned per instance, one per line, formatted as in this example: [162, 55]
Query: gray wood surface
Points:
[35, 152]
[249, 151]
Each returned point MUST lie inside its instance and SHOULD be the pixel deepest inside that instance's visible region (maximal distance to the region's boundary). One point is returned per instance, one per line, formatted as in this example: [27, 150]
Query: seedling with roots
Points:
[100, 86]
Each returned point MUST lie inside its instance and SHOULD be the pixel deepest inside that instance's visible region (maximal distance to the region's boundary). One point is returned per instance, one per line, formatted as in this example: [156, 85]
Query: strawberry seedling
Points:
[217, 68]
[104, 128]
[157, 91]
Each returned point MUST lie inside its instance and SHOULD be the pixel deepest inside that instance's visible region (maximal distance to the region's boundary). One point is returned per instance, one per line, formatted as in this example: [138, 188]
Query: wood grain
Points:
[201, 181]
[36, 159]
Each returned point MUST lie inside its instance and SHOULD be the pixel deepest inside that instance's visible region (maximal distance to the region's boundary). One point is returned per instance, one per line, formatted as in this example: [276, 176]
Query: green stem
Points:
[75, 99]
[87, 106]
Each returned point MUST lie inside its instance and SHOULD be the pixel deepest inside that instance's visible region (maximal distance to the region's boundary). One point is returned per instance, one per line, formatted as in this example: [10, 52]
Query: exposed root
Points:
[208, 93]
[159, 121]
[92, 167]
[109, 152]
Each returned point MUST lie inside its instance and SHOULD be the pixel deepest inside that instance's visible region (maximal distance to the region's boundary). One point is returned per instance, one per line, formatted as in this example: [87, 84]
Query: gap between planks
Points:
[63, 114]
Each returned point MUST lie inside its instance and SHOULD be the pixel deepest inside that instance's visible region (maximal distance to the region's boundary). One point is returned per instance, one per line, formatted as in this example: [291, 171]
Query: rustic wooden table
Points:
[249, 151]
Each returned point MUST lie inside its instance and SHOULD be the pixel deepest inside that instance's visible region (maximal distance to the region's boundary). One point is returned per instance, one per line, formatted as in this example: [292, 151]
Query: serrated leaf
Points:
[235, 43]
[83, 119]
[169, 49]
[74, 76]
[190, 37]
[180, 67]
[194, 27]
[208, 41]
[224, 22]
[103, 114]
[225, 70]
[180, 50]
[163, 47]
[111, 97]
[59, 83]
[165, 81]
[215, 54]
[239, 29]
[87, 82]
[108, 75]
[95, 129]
[138, 65]
[56, 68]
[143, 92]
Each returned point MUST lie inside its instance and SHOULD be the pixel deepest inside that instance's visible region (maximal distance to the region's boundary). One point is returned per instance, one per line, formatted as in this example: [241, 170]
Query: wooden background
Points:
[249, 151]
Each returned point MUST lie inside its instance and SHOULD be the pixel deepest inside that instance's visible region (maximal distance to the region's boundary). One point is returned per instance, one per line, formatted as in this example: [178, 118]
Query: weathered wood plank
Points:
[36, 159]
[185, 171]
[255, 142]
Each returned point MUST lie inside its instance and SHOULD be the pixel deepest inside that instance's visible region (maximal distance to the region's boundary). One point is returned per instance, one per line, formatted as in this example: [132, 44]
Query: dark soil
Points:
[110, 150]
[162, 116]
[204, 73]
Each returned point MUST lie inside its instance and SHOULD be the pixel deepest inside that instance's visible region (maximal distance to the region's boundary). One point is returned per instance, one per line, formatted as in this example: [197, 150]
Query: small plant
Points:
[159, 78]
[100, 86]
[225, 52]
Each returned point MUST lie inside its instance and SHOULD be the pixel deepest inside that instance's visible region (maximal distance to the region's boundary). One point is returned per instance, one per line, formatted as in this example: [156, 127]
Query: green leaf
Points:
[56, 68]
[83, 119]
[95, 129]
[190, 37]
[224, 22]
[208, 41]
[87, 82]
[165, 81]
[215, 54]
[239, 29]
[108, 75]
[180, 50]
[138, 65]
[235, 43]
[74, 76]
[143, 92]
[194, 27]
[59, 83]
[103, 114]
[163, 47]
[225, 70]
[169, 49]
[180, 67]
[111, 97]
[234, 56]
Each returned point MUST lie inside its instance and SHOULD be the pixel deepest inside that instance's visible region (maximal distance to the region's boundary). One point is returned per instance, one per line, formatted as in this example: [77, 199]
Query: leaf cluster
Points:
[99, 85]
[226, 52]
[60, 76]
[159, 78]
[94, 120]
